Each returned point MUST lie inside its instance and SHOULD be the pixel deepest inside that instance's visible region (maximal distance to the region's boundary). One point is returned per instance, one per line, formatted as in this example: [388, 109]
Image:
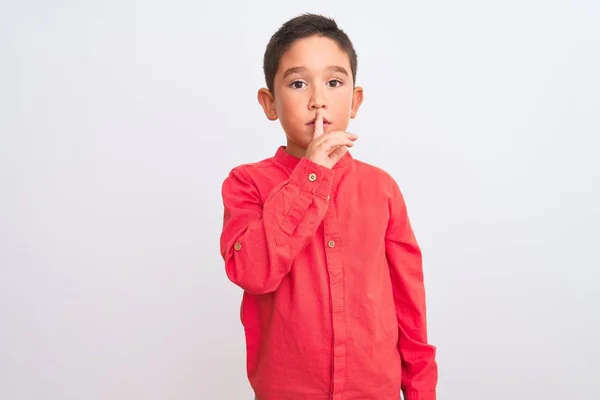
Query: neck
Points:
[294, 149]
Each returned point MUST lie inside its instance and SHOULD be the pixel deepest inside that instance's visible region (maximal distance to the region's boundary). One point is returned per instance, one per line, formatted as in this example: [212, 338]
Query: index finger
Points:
[318, 124]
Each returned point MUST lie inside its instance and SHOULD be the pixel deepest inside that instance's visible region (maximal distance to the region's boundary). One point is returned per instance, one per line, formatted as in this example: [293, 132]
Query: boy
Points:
[334, 302]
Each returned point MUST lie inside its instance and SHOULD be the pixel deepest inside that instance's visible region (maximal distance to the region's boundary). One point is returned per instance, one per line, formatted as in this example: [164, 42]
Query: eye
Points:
[334, 83]
[297, 85]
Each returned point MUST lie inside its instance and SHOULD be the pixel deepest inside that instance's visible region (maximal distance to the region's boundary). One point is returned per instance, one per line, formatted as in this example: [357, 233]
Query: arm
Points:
[260, 241]
[419, 368]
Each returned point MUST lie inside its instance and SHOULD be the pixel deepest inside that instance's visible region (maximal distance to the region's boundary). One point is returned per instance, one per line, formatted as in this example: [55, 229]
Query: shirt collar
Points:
[291, 161]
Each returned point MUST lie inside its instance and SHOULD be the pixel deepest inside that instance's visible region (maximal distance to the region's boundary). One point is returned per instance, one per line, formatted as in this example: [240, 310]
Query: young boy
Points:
[334, 302]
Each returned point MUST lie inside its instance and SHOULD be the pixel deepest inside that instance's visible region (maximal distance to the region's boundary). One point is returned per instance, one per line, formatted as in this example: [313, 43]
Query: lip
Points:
[325, 122]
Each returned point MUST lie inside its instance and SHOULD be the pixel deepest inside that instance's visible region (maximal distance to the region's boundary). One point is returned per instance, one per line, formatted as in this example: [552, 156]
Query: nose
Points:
[317, 100]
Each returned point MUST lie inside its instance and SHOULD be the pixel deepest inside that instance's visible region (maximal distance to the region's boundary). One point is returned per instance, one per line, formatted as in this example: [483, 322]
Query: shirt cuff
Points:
[312, 177]
[412, 395]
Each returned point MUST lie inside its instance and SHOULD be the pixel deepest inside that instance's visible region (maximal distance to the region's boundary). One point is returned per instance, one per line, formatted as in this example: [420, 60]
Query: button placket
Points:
[333, 254]
[331, 241]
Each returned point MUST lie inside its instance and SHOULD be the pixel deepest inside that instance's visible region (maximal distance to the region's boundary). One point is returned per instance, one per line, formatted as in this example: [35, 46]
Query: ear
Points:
[267, 101]
[357, 99]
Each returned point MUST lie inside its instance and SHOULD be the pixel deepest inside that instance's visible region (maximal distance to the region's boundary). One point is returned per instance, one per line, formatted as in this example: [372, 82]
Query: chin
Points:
[302, 142]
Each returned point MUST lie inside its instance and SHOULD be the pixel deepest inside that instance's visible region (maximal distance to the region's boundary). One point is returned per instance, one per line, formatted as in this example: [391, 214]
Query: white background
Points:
[120, 119]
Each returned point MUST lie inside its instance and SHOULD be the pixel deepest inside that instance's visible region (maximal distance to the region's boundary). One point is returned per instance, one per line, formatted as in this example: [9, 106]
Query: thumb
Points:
[338, 154]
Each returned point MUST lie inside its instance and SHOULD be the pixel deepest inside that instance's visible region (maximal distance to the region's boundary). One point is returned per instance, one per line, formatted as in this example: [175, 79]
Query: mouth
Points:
[325, 122]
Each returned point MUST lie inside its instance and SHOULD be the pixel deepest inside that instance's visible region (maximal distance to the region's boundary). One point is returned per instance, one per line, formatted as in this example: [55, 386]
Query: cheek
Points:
[291, 110]
[344, 106]
[344, 97]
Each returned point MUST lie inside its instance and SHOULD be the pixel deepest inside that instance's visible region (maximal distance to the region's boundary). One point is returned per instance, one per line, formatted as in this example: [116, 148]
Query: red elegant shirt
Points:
[334, 301]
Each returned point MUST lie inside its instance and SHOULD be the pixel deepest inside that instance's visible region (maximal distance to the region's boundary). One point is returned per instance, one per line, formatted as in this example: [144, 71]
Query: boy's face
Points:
[314, 73]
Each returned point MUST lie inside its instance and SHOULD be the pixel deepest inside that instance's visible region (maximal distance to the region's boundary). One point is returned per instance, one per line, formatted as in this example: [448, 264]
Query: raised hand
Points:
[327, 149]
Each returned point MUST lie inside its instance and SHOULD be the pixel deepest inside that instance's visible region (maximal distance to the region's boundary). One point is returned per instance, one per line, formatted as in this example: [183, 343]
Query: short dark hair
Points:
[303, 26]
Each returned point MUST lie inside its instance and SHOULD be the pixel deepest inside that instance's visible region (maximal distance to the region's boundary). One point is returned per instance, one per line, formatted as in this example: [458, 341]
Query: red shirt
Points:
[334, 302]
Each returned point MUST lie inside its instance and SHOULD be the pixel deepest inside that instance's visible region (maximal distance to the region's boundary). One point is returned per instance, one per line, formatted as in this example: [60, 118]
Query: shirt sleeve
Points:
[260, 241]
[419, 368]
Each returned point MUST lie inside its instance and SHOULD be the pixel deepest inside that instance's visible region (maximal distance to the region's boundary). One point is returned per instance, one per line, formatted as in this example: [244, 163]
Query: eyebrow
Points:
[295, 70]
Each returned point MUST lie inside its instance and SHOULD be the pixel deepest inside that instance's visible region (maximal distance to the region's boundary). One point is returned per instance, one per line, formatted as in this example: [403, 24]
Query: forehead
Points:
[314, 53]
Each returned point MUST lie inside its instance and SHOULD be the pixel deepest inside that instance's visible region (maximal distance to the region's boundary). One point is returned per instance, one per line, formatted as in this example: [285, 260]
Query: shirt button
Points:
[237, 246]
[312, 177]
[328, 197]
[331, 244]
